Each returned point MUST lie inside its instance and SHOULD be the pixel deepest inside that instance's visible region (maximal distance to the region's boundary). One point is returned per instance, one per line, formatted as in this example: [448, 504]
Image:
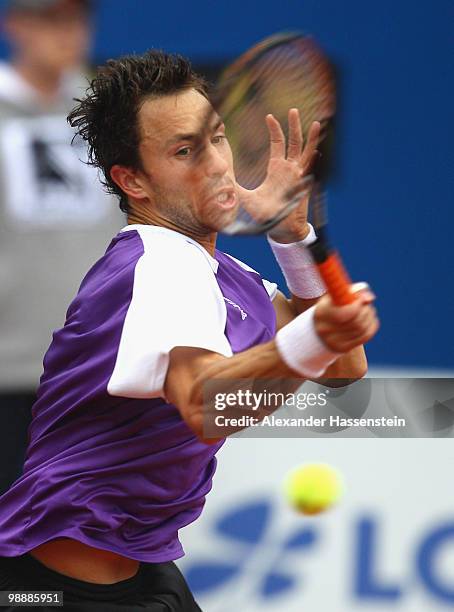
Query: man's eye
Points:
[219, 138]
[184, 152]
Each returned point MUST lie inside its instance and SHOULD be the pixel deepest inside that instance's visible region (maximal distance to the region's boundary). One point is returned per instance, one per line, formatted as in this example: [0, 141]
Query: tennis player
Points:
[116, 461]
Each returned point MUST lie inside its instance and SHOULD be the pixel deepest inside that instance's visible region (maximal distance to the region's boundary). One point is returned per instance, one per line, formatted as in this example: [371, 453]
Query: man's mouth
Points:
[226, 198]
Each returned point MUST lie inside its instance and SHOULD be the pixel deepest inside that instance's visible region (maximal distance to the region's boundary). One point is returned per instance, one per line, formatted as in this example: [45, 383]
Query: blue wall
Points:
[391, 205]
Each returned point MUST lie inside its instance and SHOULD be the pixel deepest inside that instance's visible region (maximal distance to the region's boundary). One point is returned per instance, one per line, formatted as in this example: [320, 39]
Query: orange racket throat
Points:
[336, 279]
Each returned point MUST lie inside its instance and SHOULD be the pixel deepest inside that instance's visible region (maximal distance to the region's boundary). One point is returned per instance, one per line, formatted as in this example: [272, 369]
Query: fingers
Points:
[277, 138]
[295, 135]
[295, 152]
[361, 326]
[310, 152]
[363, 330]
[347, 337]
[341, 315]
[344, 314]
[344, 327]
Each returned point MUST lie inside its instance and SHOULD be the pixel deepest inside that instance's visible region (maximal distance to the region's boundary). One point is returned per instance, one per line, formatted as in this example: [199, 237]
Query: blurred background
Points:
[391, 543]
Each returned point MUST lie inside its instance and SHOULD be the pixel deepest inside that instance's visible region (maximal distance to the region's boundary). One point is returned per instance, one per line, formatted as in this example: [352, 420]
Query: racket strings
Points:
[283, 77]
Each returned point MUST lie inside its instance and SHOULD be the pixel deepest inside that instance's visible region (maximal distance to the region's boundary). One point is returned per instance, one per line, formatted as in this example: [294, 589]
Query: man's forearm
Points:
[195, 392]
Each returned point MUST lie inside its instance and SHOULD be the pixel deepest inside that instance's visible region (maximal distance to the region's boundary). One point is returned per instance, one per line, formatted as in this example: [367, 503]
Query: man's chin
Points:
[224, 219]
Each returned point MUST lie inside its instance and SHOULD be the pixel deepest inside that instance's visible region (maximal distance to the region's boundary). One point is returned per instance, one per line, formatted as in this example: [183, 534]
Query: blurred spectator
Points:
[54, 218]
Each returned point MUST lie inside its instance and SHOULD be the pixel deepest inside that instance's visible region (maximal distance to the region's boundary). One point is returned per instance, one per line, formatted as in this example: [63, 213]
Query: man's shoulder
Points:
[143, 257]
[169, 248]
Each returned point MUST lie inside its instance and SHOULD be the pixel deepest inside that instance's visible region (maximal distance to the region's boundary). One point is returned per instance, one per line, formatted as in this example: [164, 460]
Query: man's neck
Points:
[45, 82]
[206, 239]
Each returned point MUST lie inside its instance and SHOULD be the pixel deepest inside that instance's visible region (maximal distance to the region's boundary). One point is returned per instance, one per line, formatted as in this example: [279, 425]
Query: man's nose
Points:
[216, 165]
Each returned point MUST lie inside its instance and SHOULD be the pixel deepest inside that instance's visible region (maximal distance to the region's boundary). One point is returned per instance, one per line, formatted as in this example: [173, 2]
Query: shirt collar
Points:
[164, 230]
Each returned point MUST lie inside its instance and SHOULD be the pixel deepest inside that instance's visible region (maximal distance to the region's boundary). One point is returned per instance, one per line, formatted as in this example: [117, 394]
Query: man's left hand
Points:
[287, 166]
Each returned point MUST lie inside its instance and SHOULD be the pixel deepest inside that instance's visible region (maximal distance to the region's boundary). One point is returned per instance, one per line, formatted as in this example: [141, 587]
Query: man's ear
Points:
[129, 181]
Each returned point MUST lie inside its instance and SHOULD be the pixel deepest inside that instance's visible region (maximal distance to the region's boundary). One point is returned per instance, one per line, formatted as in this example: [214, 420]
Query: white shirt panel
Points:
[176, 301]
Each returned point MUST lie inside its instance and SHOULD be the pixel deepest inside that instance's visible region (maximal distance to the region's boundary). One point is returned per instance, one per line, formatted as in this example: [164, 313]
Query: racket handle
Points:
[336, 279]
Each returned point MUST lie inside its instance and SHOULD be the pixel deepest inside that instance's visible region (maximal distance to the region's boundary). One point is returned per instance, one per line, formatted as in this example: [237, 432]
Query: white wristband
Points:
[298, 268]
[301, 348]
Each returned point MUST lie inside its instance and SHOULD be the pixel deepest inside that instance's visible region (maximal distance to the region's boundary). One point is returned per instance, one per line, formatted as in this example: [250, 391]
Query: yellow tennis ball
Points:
[313, 488]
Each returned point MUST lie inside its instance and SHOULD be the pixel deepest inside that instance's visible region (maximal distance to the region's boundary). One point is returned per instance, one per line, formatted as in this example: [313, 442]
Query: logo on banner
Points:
[367, 579]
[247, 526]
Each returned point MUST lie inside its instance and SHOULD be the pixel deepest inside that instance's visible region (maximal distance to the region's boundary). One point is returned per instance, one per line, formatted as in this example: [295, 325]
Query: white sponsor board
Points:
[388, 545]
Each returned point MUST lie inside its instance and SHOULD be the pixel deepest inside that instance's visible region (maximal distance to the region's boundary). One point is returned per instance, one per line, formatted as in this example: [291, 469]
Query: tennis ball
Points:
[313, 488]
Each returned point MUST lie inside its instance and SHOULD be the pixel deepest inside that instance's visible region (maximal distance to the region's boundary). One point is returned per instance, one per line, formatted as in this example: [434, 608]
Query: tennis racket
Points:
[284, 71]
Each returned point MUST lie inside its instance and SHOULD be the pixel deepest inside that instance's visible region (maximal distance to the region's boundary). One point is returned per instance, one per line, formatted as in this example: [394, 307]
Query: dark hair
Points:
[106, 118]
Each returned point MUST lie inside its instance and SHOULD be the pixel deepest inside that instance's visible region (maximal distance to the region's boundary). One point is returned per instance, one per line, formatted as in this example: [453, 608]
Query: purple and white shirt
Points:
[110, 463]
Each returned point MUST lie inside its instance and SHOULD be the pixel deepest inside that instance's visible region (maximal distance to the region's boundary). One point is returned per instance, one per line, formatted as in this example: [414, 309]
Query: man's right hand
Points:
[342, 328]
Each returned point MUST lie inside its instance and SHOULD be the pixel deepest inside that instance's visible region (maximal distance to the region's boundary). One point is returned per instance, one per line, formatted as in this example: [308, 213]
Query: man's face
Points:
[56, 38]
[187, 163]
